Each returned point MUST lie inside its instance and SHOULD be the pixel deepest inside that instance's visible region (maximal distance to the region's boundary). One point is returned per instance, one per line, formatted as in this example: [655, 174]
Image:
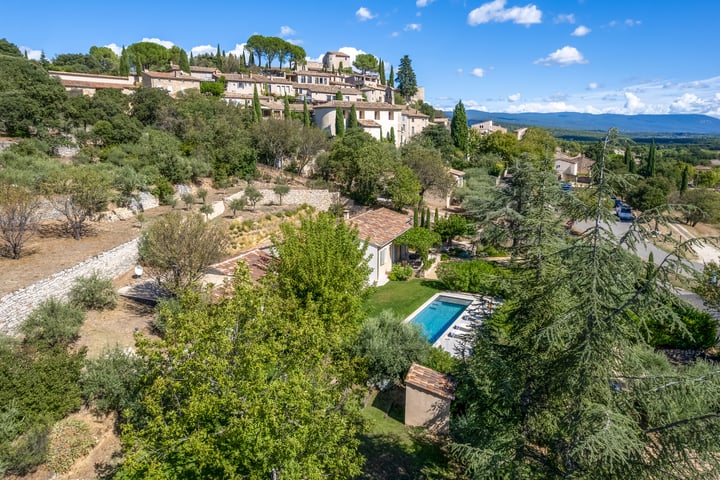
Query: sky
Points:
[591, 56]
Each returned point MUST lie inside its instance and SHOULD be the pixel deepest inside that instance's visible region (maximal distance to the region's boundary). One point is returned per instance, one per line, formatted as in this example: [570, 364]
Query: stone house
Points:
[89, 83]
[174, 82]
[428, 395]
[487, 127]
[383, 116]
[380, 228]
[412, 122]
[206, 74]
[573, 169]
[332, 60]
[326, 93]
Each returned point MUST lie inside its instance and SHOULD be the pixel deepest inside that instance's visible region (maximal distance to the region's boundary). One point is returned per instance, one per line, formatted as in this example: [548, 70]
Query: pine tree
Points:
[563, 383]
[381, 72]
[339, 122]
[286, 110]
[306, 113]
[124, 65]
[459, 127]
[391, 78]
[257, 109]
[406, 79]
[352, 119]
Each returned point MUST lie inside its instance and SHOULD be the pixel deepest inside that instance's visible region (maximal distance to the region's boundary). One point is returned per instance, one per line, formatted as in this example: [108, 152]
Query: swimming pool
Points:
[438, 314]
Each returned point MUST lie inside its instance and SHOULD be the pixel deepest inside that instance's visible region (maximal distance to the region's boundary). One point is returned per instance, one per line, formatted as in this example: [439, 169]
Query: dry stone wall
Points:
[16, 306]
[319, 199]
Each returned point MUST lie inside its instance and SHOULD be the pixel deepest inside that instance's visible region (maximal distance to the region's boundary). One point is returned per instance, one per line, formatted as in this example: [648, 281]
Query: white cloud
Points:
[565, 18]
[581, 31]
[423, 3]
[495, 11]
[294, 41]
[633, 104]
[478, 72]
[115, 48]
[514, 97]
[363, 14]
[352, 52]
[238, 50]
[459, 71]
[395, 34]
[413, 27]
[32, 54]
[200, 49]
[563, 56]
[632, 23]
[593, 86]
[164, 43]
[286, 31]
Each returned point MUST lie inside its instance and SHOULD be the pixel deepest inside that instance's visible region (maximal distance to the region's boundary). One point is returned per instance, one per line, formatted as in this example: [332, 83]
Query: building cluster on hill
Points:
[327, 89]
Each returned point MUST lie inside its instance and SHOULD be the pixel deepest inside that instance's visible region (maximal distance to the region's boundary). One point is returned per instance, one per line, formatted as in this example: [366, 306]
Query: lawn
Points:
[403, 298]
[395, 451]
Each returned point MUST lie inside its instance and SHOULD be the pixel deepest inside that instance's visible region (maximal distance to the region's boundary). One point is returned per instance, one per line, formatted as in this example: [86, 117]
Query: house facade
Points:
[174, 82]
[384, 116]
[332, 60]
[428, 395]
[88, 83]
[380, 227]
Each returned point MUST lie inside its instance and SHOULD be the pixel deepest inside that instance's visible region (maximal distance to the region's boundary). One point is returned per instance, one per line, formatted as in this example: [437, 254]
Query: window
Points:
[382, 256]
[391, 115]
[361, 114]
[377, 114]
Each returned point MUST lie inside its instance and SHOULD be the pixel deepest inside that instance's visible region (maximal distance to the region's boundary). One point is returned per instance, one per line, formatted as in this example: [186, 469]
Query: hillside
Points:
[671, 124]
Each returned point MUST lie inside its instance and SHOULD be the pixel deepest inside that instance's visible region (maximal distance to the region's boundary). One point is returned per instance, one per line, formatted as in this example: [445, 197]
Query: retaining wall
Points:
[16, 306]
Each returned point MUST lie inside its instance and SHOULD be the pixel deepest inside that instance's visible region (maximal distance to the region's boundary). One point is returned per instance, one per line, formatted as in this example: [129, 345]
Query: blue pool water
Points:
[437, 317]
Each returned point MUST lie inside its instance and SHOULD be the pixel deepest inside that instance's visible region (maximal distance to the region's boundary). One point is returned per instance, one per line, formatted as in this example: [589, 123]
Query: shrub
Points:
[163, 190]
[441, 361]
[111, 382]
[53, 323]
[400, 272]
[94, 293]
[476, 276]
[70, 439]
[26, 452]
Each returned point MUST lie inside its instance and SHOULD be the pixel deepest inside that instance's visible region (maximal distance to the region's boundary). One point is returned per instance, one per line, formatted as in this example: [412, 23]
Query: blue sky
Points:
[594, 56]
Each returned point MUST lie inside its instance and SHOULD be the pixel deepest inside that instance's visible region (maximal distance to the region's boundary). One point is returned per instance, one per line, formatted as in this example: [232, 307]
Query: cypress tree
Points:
[183, 62]
[286, 110]
[628, 159]
[391, 138]
[459, 127]
[422, 217]
[339, 96]
[381, 72]
[192, 59]
[257, 109]
[124, 65]
[352, 120]
[437, 215]
[415, 217]
[306, 113]
[391, 78]
[340, 68]
[339, 122]
[650, 167]
[685, 179]
[218, 58]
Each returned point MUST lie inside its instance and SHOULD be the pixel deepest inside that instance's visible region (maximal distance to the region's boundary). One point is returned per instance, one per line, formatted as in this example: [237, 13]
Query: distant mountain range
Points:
[671, 124]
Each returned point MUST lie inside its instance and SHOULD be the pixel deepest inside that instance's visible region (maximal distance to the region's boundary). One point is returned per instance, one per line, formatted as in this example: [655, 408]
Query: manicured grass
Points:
[403, 298]
[394, 451]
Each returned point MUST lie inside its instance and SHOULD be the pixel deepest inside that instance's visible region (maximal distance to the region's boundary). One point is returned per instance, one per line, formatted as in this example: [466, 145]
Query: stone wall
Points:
[15, 307]
[319, 199]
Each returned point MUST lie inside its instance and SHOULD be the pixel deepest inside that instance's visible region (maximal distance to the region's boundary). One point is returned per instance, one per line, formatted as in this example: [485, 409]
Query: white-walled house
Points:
[332, 60]
[380, 227]
[412, 122]
[174, 82]
[326, 93]
[374, 117]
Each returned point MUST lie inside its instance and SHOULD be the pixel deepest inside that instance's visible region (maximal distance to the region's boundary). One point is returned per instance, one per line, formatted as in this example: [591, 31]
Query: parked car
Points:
[624, 213]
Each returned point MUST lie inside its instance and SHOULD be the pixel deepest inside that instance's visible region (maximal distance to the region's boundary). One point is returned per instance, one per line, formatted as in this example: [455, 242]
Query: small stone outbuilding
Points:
[428, 395]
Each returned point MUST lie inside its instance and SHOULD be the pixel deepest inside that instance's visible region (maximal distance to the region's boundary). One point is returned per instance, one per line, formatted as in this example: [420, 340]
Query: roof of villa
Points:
[257, 261]
[312, 87]
[171, 76]
[338, 54]
[381, 226]
[58, 73]
[360, 105]
[97, 85]
[431, 381]
[194, 68]
[367, 123]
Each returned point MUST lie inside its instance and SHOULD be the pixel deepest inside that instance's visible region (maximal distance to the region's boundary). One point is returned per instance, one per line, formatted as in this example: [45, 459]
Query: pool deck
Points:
[457, 338]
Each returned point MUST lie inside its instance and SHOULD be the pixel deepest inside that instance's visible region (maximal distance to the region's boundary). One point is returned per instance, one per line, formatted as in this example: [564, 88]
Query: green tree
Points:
[241, 388]
[703, 205]
[650, 165]
[392, 135]
[178, 247]
[339, 122]
[124, 63]
[306, 113]
[149, 104]
[286, 109]
[257, 109]
[252, 195]
[311, 141]
[381, 72]
[148, 56]
[322, 264]
[684, 179]
[459, 127]
[9, 49]
[366, 62]
[106, 58]
[236, 205]
[281, 188]
[339, 96]
[79, 194]
[629, 160]
[581, 394]
[390, 346]
[406, 80]
[206, 210]
[183, 61]
[391, 78]
[403, 187]
[421, 240]
[649, 193]
[450, 227]
[352, 118]
[428, 166]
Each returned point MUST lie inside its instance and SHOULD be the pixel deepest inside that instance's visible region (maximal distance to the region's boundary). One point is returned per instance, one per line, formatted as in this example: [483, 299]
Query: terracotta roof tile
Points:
[257, 260]
[431, 381]
[381, 226]
[368, 123]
